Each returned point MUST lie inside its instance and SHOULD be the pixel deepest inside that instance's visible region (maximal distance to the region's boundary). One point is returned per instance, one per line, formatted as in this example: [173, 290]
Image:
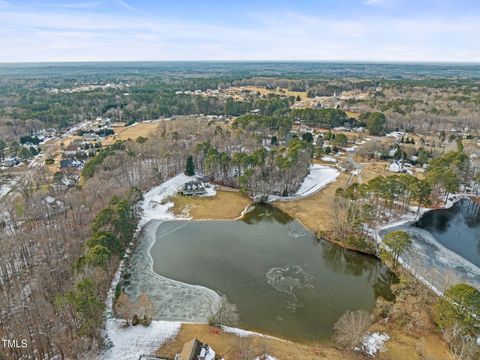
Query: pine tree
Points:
[190, 167]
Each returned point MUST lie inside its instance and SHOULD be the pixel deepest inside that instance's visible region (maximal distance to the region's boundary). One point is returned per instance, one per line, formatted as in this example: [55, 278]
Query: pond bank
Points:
[157, 205]
[427, 259]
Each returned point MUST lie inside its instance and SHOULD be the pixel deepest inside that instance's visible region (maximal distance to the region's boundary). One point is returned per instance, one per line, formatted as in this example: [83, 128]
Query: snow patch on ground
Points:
[133, 341]
[155, 205]
[316, 180]
[239, 332]
[373, 343]
[246, 333]
[7, 187]
[265, 357]
[329, 159]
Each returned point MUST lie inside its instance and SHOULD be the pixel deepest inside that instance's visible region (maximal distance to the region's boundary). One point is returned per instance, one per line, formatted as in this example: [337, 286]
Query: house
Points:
[196, 350]
[395, 167]
[194, 187]
[90, 137]
[67, 164]
[12, 161]
[398, 167]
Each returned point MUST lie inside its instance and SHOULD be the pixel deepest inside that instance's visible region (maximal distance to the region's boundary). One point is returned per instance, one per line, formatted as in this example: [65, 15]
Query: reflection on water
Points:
[445, 246]
[456, 228]
[283, 281]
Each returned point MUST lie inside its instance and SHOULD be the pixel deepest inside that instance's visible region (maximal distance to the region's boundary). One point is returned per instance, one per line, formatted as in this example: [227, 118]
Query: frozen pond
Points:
[456, 228]
[446, 245]
[284, 282]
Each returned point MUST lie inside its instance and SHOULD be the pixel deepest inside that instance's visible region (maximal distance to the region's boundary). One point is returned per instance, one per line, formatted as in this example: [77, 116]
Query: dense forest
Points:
[56, 265]
[32, 98]
[57, 261]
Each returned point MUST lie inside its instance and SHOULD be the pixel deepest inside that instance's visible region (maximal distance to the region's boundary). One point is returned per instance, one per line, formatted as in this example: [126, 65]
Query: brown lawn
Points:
[264, 91]
[230, 346]
[225, 205]
[315, 212]
[401, 346]
[144, 129]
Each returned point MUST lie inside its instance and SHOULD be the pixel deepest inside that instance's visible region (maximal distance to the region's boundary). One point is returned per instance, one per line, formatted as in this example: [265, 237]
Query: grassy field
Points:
[315, 212]
[352, 114]
[373, 169]
[264, 91]
[225, 205]
[132, 132]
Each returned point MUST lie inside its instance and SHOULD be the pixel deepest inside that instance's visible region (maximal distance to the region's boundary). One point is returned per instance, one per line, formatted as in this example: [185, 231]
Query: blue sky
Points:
[121, 30]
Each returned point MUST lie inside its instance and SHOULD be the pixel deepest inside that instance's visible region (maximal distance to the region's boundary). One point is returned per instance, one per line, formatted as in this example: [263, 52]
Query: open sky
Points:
[121, 30]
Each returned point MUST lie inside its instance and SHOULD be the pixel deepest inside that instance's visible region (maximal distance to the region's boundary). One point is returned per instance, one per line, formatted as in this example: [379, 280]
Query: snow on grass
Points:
[373, 343]
[246, 333]
[7, 186]
[319, 177]
[329, 159]
[239, 332]
[155, 205]
[133, 341]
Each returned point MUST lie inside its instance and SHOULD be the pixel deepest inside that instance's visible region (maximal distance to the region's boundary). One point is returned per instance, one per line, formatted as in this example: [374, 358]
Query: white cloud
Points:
[45, 35]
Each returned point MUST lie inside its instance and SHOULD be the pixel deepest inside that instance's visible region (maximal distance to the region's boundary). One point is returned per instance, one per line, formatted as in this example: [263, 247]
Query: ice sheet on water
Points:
[173, 300]
[438, 265]
[289, 280]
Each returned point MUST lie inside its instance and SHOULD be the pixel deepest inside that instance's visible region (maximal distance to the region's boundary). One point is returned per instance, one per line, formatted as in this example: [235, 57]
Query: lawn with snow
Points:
[131, 342]
[155, 205]
[329, 159]
[319, 177]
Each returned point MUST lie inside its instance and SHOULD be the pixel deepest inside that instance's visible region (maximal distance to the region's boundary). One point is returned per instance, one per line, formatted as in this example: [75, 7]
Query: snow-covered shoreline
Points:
[131, 342]
[420, 264]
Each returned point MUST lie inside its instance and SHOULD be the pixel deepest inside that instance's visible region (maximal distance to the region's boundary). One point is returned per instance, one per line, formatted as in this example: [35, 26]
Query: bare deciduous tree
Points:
[145, 306]
[124, 307]
[226, 314]
[351, 328]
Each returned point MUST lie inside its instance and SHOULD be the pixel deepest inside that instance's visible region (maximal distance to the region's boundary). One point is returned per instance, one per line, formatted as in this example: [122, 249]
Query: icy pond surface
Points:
[446, 245]
[284, 282]
[456, 228]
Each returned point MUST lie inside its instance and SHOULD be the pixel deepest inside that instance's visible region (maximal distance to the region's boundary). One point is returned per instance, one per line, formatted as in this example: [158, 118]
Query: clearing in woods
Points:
[144, 129]
[225, 205]
[264, 91]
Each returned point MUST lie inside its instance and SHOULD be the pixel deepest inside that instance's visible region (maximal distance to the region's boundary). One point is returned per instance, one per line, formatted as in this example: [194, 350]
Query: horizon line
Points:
[432, 62]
